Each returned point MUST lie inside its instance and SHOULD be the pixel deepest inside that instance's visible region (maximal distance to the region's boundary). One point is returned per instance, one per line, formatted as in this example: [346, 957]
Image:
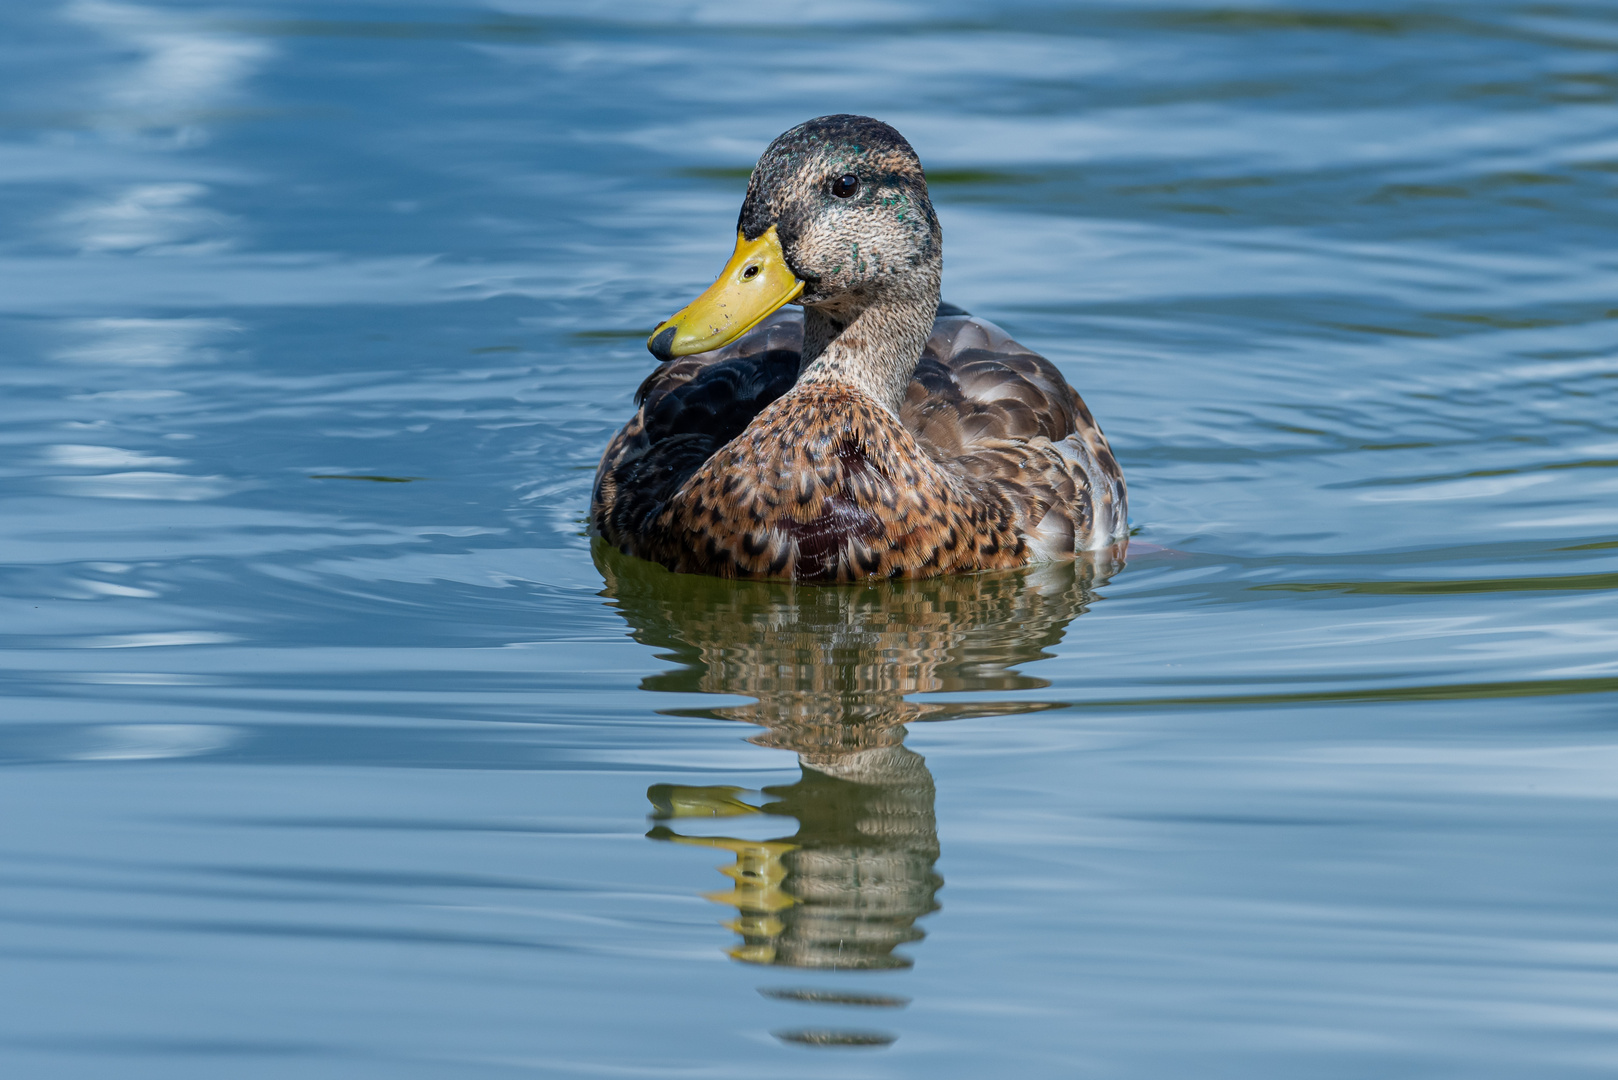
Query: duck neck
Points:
[871, 342]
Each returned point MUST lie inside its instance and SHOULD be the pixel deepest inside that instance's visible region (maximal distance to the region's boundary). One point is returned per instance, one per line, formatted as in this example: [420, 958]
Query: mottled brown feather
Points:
[729, 469]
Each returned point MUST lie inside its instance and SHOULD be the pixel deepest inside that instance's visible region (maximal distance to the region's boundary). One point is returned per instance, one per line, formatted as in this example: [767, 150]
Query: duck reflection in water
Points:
[831, 669]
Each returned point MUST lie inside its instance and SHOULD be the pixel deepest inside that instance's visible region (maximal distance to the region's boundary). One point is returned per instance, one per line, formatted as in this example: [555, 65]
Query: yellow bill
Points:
[754, 283]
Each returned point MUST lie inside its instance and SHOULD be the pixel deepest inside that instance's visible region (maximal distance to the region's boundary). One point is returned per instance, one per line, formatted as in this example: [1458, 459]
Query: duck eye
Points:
[845, 186]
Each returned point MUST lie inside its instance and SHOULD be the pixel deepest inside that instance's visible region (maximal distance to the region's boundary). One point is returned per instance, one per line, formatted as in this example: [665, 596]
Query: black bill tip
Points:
[662, 344]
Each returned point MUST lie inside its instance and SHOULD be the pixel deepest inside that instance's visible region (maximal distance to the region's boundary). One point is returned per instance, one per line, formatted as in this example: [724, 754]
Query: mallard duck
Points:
[879, 435]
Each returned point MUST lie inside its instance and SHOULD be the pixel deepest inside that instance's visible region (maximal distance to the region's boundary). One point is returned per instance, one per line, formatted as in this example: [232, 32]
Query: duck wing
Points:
[689, 408]
[1003, 415]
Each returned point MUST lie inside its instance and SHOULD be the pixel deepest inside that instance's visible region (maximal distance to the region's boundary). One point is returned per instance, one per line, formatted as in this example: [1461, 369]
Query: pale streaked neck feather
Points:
[871, 343]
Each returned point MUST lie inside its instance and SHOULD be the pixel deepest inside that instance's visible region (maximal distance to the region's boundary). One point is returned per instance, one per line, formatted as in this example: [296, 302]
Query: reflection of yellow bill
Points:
[757, 894]
[754, 283]
[678, 801]
[758, 872]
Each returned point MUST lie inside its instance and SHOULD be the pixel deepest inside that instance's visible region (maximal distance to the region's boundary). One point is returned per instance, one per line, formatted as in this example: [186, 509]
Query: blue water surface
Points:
[332, 749]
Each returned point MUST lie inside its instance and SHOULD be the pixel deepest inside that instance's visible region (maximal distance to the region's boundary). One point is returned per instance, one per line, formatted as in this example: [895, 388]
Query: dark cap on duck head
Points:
[856, 145]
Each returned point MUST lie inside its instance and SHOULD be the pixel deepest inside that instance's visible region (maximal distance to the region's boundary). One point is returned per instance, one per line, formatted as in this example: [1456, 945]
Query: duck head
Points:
[837, 219]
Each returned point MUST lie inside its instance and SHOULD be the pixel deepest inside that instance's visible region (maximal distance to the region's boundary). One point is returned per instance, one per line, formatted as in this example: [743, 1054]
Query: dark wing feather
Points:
[689, 408]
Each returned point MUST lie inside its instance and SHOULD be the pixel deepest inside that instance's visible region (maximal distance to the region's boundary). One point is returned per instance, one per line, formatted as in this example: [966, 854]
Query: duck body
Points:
[730, 469]
[875, 435]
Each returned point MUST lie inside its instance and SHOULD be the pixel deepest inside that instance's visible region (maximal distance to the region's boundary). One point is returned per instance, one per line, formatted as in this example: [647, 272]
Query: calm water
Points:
[312, 773]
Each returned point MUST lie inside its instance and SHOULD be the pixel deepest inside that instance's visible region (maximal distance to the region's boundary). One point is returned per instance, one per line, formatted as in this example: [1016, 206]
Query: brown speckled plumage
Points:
[863, 438]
